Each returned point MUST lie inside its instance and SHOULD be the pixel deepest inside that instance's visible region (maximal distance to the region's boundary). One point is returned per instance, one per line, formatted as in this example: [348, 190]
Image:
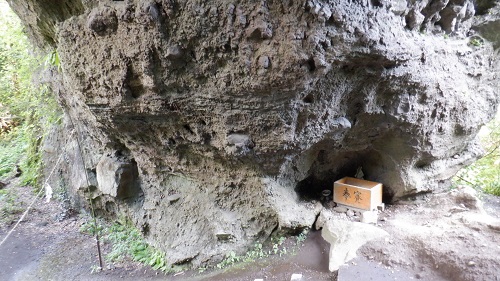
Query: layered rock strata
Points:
[212, 124]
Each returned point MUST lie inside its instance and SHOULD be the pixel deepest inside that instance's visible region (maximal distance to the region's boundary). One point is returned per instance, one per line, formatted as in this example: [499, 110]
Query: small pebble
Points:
[264, 62]
[173, 198]
[471, 263]
[340, 209]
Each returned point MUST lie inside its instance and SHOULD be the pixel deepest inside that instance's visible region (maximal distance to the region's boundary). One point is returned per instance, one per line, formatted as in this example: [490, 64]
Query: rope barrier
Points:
[34, 200]
[46, 183]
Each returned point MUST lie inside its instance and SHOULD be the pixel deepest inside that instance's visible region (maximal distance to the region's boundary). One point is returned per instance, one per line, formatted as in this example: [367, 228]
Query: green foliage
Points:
[127, 242]
[12, 148]
[302, 237]
[256, 253]
[52, 59]
[95, 269]
[91, 228]
[31, 106]
[277, 246]
[230, 259]
[277, 242]
[476, 42]
[493, 188]
[8, 206]
[485, 173]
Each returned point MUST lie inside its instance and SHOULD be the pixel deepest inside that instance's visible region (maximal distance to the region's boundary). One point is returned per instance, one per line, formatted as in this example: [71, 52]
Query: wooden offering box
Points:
[357, 193]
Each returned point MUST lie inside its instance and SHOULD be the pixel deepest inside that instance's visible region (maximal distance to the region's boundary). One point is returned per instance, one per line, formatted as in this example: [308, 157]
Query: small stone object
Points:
[340, 209]
[174, 52]
[369, 217]
[343, 122]
[296, 276]
[350, 213]
[239, 144]
[223, 236]
[471, 263]
[325, 195]
[359, 173]
[258, 280]
[332, 204]
[264, 62]
[173, 197]
[19, 172]
[381, 207]
[153, 11]
[43, 223]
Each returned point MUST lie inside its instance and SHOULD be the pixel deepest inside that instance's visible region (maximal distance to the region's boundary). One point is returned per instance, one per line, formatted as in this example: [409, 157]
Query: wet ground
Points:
[310, 260]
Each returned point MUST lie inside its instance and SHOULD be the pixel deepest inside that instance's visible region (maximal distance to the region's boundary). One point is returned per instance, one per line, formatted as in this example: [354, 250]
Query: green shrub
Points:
[32, 106]
[493, 188]
[127, 243]
[475, 42]
[276, 246]
[484, 174]
[12, 148]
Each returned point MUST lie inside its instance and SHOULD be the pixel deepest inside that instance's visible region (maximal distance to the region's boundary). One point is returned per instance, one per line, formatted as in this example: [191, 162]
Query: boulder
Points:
[345, 238]
[117, 177]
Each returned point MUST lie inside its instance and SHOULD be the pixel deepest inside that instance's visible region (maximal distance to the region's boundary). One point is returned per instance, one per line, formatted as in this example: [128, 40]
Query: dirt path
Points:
[443, 237]
[48, 245]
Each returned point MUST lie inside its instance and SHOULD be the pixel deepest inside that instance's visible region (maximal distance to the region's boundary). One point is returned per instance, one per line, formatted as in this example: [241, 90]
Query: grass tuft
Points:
[127, 243]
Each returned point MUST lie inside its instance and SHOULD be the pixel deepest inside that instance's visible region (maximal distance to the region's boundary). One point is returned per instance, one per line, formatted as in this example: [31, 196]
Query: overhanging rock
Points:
[212, 98]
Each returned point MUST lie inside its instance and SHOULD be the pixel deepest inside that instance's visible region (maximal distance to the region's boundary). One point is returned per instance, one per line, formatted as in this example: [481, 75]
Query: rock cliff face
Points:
[214, 123]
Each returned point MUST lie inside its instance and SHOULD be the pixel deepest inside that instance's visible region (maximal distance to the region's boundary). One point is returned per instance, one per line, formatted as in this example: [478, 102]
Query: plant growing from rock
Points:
[276, 246]
[127, 243]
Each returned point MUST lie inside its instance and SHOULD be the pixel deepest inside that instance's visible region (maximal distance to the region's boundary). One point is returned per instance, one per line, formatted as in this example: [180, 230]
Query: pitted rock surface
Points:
[239, 109]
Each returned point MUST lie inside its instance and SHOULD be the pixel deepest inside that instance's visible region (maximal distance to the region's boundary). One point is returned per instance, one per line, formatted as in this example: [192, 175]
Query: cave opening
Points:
[332, 166]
